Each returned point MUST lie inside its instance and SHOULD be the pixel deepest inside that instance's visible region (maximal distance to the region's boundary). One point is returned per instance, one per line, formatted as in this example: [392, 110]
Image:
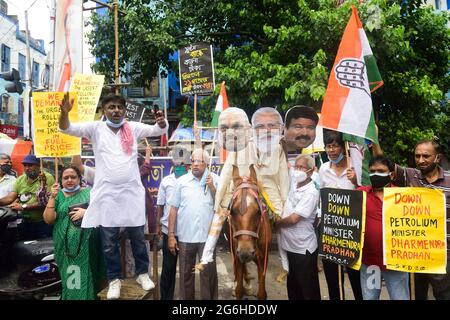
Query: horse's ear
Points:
[237, 180]
[253, 173]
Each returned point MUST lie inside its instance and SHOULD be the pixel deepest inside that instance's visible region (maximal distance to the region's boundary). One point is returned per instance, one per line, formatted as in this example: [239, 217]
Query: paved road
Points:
[275, 290]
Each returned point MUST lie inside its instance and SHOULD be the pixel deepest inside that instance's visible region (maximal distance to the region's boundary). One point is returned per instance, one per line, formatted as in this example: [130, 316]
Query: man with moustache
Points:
[118, 196]
[300, 123]
[429, 174]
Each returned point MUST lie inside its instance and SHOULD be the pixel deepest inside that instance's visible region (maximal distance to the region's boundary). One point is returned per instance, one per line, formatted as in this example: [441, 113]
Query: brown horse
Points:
[250, 232]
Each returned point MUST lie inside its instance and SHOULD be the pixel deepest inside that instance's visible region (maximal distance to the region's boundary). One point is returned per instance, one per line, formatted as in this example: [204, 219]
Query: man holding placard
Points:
[372, 267]
[118, 196]
[429, 174]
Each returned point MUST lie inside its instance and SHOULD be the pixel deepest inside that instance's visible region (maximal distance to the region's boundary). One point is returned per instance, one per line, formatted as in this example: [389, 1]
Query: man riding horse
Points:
[264, 152]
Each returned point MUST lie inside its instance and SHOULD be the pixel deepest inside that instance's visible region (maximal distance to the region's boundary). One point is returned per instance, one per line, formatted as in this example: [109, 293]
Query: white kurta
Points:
[118, 196]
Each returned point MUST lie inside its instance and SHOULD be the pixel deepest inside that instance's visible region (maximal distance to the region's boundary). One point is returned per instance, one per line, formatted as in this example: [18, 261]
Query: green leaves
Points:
[280, 53]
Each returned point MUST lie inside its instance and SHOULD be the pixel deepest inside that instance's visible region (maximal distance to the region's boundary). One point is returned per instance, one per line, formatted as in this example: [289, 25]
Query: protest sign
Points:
[134, 111]
[342, 229]
[414, 225]
[48, 141]
[88, 88]
[196, 69]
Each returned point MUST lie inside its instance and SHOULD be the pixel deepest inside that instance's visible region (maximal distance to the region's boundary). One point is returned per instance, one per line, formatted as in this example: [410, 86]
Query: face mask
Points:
[339, 158]
[379, 180]
[203, 180]
[70, 190]
[6, 168]
[266, 145]
[298, 176]
[430, 168]
[115, 125]
[179, 171]
[32, 174]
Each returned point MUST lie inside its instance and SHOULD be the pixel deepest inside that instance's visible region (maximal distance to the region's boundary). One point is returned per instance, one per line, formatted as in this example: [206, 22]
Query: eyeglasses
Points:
[197, 161]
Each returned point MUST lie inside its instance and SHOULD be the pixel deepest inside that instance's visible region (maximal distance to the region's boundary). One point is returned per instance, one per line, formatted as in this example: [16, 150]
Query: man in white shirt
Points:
[297, 233]
[118, 196]
[191, 212]
[6, 179]
[169, 264]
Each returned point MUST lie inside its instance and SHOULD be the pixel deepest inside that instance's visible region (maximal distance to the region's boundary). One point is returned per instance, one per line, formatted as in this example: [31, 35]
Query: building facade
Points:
[14, 56]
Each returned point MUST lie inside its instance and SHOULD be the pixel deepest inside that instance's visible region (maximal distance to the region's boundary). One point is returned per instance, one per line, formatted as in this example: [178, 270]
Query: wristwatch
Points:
[24, 206]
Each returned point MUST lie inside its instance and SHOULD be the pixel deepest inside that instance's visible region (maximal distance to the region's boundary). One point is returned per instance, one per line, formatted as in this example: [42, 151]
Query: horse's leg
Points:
[265, 239]
[248, 290]
[239, 277]
[261, 295]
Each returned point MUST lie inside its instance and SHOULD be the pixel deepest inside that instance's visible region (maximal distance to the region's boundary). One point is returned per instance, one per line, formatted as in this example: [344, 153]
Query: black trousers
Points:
[169, 271]
[332, 276]
[303, 278]
[440, 283]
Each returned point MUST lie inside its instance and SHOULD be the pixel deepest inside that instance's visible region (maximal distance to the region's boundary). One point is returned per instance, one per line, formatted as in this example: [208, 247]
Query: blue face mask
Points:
[115, 125]
[203, 180]
[339, 158]
[71, 190]
[179, 170]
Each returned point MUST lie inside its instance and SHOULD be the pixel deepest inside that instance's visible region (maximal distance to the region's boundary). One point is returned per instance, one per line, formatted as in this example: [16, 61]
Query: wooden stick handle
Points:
[412, 286]
[341, 292]
[56, 169]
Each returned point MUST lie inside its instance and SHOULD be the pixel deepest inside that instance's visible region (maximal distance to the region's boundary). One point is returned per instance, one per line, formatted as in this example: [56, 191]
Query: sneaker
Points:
[145, 281]
[114, 289]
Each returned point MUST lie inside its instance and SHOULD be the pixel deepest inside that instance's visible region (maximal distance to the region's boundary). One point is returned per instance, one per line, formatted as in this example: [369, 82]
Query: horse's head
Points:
[245, 215]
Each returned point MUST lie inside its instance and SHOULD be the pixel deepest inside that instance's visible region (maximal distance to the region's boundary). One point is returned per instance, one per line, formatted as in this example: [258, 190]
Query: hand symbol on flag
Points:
[350, 73]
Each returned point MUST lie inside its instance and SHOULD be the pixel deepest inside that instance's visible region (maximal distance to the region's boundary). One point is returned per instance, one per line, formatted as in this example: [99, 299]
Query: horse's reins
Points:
[254, 191]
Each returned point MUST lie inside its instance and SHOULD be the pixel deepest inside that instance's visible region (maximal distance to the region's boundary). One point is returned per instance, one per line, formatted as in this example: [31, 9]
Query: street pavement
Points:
[275, 290]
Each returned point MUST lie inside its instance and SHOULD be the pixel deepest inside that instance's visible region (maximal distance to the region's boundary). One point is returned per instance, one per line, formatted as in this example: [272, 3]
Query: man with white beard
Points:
[264, 152]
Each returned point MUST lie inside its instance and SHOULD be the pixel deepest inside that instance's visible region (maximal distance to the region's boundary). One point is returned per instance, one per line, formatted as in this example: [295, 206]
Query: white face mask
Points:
[264, 144]
[298, 176]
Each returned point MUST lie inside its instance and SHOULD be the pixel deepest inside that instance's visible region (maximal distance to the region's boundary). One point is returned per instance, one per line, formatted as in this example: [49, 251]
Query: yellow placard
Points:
[88, 88]
[48, 140]
[414, 230]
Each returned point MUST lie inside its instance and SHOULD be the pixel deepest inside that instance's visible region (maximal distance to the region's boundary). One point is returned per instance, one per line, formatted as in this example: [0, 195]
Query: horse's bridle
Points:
[247, 186]
[252, 188]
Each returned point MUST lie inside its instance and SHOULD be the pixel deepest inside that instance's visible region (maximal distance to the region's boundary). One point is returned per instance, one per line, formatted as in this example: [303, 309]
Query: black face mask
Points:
[379, 180]
[32, 174]
[6, 168]
[428, 169]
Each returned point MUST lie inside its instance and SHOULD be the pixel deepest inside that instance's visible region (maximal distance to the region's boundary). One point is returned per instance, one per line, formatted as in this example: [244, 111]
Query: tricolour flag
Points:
[347, 106]
[221, 105]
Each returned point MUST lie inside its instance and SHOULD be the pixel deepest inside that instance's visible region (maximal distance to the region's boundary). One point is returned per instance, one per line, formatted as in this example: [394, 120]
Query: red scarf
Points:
[126, 138]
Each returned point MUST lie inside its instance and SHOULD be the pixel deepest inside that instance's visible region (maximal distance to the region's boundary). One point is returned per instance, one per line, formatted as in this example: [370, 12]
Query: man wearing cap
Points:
[23, 198]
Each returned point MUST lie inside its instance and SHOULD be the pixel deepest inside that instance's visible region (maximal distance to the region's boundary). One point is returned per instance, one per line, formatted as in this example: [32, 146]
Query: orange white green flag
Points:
[347, 105]
[221, 105]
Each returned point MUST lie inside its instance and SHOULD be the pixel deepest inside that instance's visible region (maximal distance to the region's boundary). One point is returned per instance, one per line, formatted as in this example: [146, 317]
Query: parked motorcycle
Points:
[27, 268]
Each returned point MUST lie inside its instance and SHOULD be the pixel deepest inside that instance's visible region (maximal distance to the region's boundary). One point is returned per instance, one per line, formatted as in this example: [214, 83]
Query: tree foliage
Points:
[280, 52]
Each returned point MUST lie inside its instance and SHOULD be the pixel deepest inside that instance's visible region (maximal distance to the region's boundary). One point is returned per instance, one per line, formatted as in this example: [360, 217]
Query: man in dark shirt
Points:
[429, 174]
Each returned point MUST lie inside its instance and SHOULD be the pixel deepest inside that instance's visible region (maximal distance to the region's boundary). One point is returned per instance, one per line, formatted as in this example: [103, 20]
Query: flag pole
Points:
[211, 156]
[347, 155]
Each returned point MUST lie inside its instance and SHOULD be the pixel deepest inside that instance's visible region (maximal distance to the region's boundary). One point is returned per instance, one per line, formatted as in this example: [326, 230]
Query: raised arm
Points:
[66, 105]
